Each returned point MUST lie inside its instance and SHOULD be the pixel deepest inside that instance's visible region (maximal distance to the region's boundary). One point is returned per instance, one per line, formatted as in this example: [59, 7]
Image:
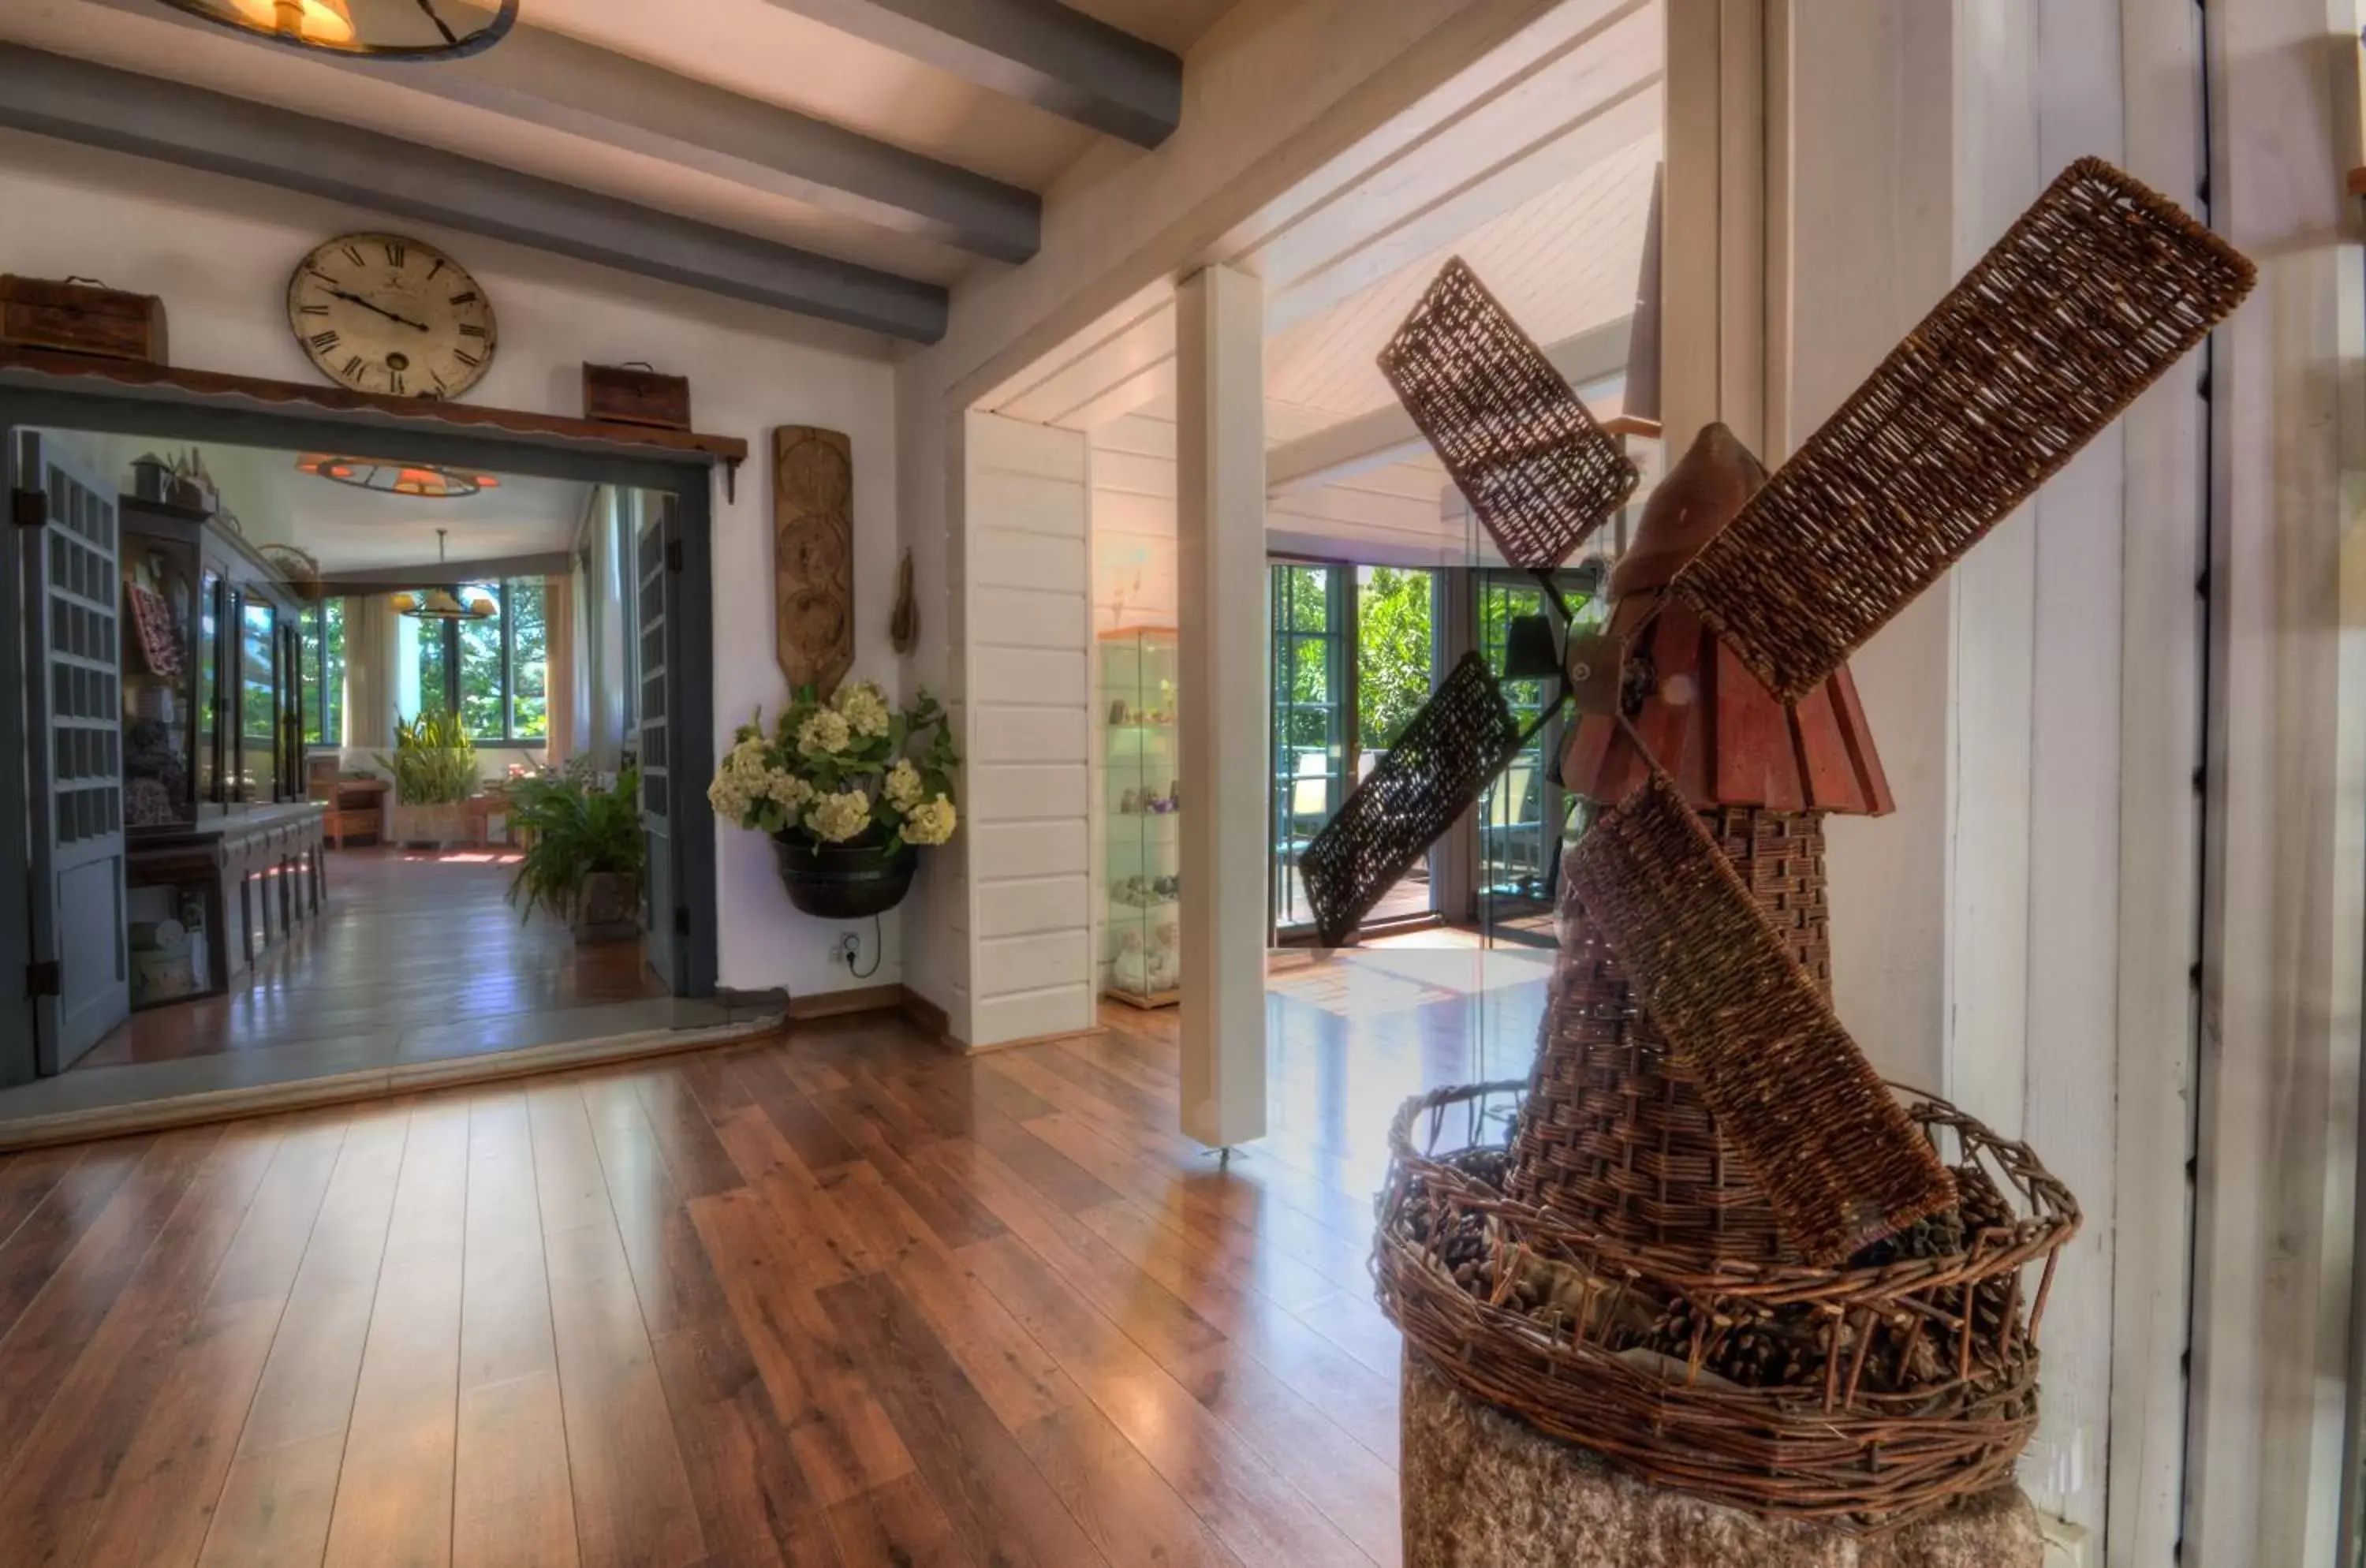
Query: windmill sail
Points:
[1461, 738]
[1537, 470]
[2101, 287]
[1840, 1162]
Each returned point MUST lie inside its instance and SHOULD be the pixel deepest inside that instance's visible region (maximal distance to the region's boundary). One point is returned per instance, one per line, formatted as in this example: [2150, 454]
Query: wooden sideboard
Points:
[259, 873]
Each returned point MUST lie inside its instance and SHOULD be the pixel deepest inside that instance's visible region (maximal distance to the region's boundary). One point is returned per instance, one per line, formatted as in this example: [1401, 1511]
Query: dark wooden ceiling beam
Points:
[1039, 51]
[100, 107]
[564, 84]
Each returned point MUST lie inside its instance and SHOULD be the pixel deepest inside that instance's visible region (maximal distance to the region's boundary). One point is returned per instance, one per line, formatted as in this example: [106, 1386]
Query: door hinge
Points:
[674, 555]
[682, 919]
[42, 980]
[29, 508]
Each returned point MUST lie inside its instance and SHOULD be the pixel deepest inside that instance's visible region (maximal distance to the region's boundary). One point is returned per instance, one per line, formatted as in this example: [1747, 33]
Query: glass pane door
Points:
[1311, 615]
[1523, 815]
[1395, 655]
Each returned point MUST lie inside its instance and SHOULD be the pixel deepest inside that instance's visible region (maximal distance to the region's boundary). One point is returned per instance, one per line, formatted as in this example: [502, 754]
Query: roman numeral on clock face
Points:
[396, 255]
[353, 367]
[325, 341]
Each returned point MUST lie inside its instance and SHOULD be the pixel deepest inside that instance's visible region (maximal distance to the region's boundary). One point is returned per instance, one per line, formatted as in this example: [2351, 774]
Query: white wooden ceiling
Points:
[1566, 260]
[1537, 169]
[756, 49]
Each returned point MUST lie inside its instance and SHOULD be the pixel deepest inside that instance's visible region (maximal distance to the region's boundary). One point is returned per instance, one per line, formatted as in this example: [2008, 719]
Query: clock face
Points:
[380, 313]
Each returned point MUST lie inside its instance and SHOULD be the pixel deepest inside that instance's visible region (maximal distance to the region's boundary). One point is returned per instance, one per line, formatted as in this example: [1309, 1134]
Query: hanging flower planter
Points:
[844, 881]
[850, 791]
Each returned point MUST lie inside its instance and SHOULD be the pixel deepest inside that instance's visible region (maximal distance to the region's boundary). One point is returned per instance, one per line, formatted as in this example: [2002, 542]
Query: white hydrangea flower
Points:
[863, 707]
[902, 786]
[729, 793]
[823, 735]
[932, 823]
[838, 817]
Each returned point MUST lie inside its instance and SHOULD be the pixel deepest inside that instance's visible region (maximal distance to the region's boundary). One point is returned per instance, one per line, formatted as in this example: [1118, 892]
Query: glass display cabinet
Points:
[1141, 788]
[212, 705]
[167, 663]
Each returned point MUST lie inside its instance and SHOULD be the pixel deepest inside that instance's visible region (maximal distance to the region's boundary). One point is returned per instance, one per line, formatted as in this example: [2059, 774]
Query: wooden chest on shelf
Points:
[78, 316]
[624, 394]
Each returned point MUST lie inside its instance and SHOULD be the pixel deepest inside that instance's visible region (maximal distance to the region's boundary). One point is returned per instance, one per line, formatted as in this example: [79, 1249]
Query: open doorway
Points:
[1354, 657]
[336, 761]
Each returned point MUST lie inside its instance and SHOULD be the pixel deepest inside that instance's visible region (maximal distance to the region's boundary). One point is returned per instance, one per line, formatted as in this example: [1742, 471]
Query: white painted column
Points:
[1220, 529]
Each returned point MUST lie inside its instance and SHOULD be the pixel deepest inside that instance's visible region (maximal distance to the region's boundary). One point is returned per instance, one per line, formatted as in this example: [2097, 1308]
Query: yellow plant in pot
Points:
[434, 770]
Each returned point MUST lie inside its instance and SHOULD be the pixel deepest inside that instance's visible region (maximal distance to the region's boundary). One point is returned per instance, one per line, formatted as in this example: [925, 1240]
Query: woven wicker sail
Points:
[1614, 1133]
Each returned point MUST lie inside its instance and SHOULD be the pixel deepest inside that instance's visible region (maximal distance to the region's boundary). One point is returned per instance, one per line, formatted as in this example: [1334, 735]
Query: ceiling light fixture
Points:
[386, 29]
[428, 482]
[443, 603]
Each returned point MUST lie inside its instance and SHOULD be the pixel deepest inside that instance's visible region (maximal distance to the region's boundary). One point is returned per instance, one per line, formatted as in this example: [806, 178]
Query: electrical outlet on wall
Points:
[847, 949]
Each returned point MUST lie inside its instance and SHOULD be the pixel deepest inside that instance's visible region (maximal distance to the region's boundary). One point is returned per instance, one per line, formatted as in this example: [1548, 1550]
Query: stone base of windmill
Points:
[1483, 1490]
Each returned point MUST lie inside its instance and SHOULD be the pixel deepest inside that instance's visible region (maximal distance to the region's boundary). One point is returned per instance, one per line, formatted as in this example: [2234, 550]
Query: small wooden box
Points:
[75, 317]
[619, 394]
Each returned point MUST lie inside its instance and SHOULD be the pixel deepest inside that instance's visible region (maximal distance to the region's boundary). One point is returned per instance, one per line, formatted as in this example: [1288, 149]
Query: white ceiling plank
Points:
[1524, 113]
[1626, 119]
[1546, 37]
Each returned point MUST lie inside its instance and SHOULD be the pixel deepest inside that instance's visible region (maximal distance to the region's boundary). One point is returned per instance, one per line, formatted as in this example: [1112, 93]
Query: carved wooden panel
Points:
[812, 555]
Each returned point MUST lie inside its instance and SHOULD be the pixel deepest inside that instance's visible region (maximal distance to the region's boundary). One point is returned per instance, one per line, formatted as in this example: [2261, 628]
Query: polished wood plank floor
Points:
[840, 1298]
[406, 938]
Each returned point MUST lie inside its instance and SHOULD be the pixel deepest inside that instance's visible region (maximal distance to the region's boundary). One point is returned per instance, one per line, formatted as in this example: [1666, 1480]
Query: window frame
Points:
[313, 630]
[450, 698]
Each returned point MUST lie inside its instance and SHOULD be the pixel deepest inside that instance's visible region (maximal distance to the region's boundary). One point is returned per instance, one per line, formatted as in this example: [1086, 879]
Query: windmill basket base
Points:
[1866, 1396]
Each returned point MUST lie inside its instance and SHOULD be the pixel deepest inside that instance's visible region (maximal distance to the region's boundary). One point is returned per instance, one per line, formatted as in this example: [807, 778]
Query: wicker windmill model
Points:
[1718, 1247]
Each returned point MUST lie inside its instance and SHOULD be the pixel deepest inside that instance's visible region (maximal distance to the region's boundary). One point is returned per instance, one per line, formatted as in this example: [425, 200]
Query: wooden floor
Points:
[839, 1299]
[405, 937]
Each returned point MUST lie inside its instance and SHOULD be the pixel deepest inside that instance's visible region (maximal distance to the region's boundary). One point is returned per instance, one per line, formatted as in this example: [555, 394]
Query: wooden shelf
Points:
[195, 384]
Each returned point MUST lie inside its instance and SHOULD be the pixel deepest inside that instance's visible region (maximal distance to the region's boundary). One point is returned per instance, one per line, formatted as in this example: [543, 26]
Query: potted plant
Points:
[434, 770]
[584, 849]
[848, 789]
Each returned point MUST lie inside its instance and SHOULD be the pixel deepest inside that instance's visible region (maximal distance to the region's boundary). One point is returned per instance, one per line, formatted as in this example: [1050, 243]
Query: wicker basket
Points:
[1911, 1378]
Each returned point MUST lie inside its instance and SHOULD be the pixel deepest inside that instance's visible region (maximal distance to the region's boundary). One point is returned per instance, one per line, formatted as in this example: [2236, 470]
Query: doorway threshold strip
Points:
[105, 1102]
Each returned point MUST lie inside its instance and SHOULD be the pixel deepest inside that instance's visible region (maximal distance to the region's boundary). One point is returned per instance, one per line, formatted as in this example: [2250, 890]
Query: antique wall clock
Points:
[380, 313]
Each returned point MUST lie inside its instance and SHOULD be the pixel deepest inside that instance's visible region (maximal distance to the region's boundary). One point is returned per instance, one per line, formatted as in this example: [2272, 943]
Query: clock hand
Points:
[372, 305]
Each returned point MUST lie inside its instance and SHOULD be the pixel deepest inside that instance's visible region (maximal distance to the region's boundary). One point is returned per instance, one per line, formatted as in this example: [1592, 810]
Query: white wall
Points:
[1029, 708]
[220, 250]
[2272, 1369]
[2036, 714]
[1133, 523]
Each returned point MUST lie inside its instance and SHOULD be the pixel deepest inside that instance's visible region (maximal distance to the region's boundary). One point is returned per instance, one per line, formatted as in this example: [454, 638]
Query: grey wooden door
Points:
[79, 974]
[657, 560]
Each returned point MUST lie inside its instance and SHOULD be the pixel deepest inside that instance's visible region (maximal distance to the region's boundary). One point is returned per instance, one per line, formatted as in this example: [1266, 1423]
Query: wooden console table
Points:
[266, 862]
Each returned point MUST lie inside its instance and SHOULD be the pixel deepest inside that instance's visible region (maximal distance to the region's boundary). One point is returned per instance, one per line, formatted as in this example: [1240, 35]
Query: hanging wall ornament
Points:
[904, 626]
[812, 555]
